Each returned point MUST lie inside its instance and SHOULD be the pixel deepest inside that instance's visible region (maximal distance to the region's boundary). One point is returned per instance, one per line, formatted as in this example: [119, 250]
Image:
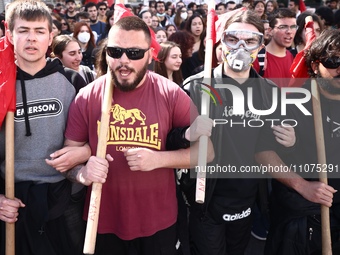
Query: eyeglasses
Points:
[155, 21]
[286, 27]
[250, 40]
[102, 9]
[331, 63]
[131, 53]
[64, 24]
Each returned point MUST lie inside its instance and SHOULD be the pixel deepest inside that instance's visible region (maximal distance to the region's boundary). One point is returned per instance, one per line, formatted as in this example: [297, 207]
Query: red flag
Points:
[298, 68]
[121, 12]
[302, 6]
[7, 77]
[211, 33]
[222, 19]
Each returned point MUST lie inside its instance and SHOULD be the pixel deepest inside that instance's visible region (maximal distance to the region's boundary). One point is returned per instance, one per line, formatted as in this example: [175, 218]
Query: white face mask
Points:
[184, 15]
[239, 59]
[84, 37]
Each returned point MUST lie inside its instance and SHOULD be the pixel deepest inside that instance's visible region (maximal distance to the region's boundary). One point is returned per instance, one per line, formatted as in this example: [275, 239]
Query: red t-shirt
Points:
[134, 203]
[277, 68]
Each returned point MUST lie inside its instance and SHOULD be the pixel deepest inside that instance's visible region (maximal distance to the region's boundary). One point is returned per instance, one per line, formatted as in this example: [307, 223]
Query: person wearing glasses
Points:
[102, 8]
[297, 196]
[222, 224]
[278, 58]
[138, 208]
[154, 22]
[65, 27]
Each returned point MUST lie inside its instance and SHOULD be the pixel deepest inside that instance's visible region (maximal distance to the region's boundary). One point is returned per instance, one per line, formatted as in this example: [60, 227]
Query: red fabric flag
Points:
[7, 78]
[222, 19]
[299, 69]
[211, 33]
[121, 12]
[302, 6]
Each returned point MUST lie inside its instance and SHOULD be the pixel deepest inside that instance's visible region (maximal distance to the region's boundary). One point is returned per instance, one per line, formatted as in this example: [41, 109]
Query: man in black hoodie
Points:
[45, 200]
[297, 195]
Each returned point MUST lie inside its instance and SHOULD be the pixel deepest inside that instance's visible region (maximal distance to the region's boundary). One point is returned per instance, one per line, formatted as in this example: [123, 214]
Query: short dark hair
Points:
[89, 5]
[159, 2]
[325, 46]
[280, 14]
[84, 15]
[134, 23]
[221, 4]
[326, 14]
[101, 4]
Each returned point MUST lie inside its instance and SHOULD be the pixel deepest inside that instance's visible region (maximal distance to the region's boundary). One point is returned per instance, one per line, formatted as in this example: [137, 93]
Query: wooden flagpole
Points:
[320, 145]
[205, 103]
[96, 192]
[9, 179]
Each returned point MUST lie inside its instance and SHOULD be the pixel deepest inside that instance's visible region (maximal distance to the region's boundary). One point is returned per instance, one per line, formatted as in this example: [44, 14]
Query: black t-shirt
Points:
[236, 143]
[304, 158]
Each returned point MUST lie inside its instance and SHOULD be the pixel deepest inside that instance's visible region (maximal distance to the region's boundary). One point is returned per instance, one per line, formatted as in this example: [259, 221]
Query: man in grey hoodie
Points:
[45, 200]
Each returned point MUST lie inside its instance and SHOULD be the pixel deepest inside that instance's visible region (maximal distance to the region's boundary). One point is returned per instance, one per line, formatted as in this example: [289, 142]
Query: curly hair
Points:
[325, 46]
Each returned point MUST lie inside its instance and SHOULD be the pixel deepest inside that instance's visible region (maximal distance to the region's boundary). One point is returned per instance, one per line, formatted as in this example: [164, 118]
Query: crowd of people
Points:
[64, 54]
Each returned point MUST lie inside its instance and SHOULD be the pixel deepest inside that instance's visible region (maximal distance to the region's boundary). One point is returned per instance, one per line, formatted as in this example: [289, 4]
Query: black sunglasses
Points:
[131, 53]
[331, 63]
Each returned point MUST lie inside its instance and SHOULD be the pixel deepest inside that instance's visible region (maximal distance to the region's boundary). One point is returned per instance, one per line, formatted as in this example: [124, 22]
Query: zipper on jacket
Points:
[310, 234]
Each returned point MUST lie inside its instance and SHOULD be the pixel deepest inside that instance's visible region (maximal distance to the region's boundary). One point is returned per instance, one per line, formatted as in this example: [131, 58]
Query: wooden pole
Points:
[320, 145]
[96, 192]
[9, 179]
[205, 103]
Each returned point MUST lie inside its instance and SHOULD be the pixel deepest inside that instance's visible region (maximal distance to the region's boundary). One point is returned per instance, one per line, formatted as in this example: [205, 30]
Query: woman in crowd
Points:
[190, 13]
[146, 16]
[56, 28]
[170, 60]
[170, 29]
[83, 32]
[195, 26]
[259, 9]
[186, 42]
[300, 35]
[65, 27]
[161, 35]
[108, 24]
[271, 7]
[68, 50]
[180, 17]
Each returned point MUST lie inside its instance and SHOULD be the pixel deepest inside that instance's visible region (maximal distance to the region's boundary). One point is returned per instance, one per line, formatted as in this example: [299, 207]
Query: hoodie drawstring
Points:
[24, 100]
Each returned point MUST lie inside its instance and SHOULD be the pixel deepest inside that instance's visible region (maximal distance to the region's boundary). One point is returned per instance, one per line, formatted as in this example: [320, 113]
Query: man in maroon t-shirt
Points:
[138, 206]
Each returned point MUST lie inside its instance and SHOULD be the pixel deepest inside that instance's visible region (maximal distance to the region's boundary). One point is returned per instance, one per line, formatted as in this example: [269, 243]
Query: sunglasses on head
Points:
[131, 53]
[331, 63]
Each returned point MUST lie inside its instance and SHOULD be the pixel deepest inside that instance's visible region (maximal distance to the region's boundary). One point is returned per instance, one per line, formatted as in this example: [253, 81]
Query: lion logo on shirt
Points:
[121, 115]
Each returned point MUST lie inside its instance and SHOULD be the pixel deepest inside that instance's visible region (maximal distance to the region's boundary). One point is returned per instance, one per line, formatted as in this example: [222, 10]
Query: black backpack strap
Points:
[261, 56]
